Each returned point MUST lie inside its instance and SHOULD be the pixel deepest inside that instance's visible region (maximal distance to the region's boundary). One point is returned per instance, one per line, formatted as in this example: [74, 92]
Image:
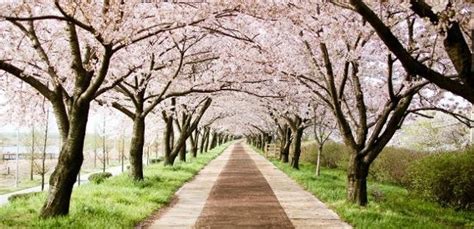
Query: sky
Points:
[114, 121]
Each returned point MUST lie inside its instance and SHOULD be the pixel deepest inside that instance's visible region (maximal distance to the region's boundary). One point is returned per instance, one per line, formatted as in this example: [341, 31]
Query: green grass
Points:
[396, 209]
[118, 202]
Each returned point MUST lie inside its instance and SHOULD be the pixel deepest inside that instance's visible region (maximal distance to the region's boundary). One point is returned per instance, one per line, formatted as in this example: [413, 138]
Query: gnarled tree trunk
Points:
[69, 163]
[194, 138]
[295, 160]
[357, 180]
[286, 143]
[286, 148]
[172, 148]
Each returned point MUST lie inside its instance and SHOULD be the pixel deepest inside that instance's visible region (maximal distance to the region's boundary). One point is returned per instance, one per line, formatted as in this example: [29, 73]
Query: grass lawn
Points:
[116, 203]
[394, 208]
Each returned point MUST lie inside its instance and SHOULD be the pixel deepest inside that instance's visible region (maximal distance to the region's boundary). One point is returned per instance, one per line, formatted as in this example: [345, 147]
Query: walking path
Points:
[241, 189]
[84, 179]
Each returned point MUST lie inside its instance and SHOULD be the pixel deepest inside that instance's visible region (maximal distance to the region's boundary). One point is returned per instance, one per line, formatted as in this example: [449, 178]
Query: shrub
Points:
[447, 178]
[156, 160]
[392, 164]
[22, 195]
[335, 155]
[98, 178]
[308, 152]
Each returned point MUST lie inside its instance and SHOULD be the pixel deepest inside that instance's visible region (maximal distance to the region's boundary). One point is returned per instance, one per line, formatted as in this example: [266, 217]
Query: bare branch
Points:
[460, 117]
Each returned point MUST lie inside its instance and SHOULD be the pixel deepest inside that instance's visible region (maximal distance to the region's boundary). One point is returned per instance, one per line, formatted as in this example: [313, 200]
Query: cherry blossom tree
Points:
[343, 78]
[323, 127]
[94, 34]
[446, 20]
[294, 113]
[277, 62]
[138, 95]
[190, 121]
[39, 65]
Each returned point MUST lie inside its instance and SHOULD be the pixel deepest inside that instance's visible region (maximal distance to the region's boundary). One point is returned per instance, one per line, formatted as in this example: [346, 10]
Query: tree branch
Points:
[413, 67]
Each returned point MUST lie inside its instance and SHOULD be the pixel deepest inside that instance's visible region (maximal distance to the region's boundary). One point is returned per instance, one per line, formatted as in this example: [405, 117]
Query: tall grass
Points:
[118, 202]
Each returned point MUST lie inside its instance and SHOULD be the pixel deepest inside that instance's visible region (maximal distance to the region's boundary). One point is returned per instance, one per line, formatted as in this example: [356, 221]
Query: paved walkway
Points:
[241, 189]
[84, 179]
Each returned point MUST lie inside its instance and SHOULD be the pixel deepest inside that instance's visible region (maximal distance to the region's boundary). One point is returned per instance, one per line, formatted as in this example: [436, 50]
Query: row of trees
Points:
[122, 54]
[283, 68]
[366, 81]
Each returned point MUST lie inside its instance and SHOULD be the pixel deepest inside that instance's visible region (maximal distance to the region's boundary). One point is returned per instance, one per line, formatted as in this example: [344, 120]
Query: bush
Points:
[98, 178]
[335, 155]
[156, 160]
[22, 196]
[447, 178]
[392, 164]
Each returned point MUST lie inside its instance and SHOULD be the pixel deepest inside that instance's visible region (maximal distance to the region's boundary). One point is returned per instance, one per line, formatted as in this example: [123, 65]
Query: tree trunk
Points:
[194, 142]
[318, 160]
[194, 150]
[295, 160]
[136, 148]
[148, 154]
[45, 145]
[286, 150]
[32, 152]
[357, 181]
[221, 139]
[208, 140]
[182, 152]
[203, 140]
[214, 140]
[282, 137]
[282, 147]
[104, 149]
[122, 154]
[69, 163]
[187, 129]
[167, 141]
